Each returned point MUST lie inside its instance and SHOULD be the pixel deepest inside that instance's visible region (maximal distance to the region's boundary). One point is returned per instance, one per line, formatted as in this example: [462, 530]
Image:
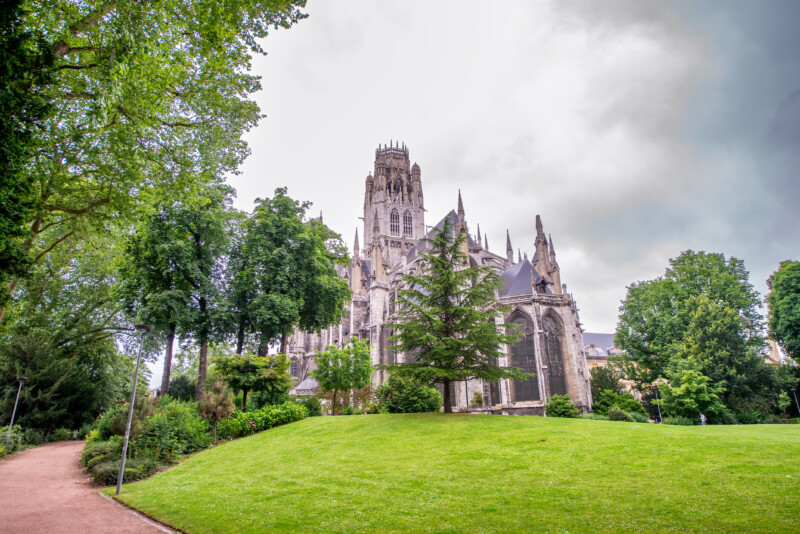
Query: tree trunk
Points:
[283, 343]
[244, 400]
[262, 351]
[446, 400]
[240, 339]
[333, 403]
[167, 361]
[201, 370]
[215, 431]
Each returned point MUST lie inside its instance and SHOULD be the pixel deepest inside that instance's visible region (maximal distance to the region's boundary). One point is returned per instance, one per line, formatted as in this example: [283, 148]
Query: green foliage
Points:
[784, 308]
[17, 441]
[341, 370]
[678, 420]
[182, 388]
[689, 394]
[61, 434]
[560, 406]
[655, 316]
[604, 378]
[447, 318]
[625, 402]
[593, 416]
[282, 273]
[105, 473]
[34, 437]
[246, 423]
[267, 374]
[312, 404]
[615, 413]
[639, 417]
[142, 411]
[404, 395]
[175, 429]
[105, 450]
[216, 405]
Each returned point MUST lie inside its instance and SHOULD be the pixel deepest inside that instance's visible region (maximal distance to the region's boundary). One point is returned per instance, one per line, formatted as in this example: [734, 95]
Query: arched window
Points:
[293, 368]
[523, 356]
[397, 191]
[394, 223]
[553, 354]
[407, 228]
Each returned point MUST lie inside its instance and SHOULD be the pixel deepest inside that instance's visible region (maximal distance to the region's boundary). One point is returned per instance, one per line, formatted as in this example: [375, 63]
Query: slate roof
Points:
[603, 342]
[421, 245]
[517, 279]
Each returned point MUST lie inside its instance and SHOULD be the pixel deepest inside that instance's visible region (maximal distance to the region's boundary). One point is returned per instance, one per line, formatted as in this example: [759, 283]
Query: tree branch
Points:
[55, 243]
[92, 19]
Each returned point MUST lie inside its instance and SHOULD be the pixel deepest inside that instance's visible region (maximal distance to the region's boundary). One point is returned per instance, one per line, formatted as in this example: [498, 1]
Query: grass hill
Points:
[463, 473]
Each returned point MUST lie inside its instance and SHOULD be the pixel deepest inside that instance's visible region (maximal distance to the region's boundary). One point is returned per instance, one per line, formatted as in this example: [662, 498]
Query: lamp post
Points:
[144, 329]
[14, 412]
[794, 393]
[658, 405]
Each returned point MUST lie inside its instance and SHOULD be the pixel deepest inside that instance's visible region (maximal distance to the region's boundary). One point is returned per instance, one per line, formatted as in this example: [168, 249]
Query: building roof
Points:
[602, 342]
[423, 245]
[519, 279]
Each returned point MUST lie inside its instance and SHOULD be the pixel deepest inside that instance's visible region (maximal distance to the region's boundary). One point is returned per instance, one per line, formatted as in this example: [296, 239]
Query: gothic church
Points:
[394, 222]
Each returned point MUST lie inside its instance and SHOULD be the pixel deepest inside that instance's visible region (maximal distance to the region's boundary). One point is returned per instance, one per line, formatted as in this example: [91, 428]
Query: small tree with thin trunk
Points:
[216, 404]
[345, 369]
[447, 319]
[256, 373]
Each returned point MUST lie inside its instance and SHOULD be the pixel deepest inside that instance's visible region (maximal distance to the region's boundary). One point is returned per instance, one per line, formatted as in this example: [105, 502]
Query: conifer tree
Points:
[216, 404]
[447, 319]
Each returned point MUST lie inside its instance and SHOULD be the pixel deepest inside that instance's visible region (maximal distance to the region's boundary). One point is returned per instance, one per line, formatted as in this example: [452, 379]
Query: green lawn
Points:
[463, 473]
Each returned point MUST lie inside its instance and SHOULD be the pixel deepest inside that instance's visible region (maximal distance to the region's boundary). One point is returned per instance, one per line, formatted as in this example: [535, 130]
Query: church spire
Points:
[356, 247]
[460, 207]
[509, 249]
[519, 256]
[479, 235]
[552, 248]
[486, 242]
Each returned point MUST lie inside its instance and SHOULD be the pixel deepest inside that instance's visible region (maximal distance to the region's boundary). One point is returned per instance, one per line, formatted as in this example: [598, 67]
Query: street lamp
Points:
[144, 329]
[794, 392]
[658, 403]
[14, 412]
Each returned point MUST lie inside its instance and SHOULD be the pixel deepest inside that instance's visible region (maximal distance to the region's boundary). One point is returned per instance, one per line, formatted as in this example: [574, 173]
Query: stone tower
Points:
[393, 204]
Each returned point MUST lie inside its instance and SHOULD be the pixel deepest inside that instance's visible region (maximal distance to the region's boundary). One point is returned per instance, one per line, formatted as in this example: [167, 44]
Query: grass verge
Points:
[462, 473]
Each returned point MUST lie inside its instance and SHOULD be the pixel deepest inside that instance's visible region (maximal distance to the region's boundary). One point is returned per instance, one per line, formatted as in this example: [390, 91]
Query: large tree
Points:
[784, 308]
[447, 316]
[25, 68]
[283, 273]
[656, 314]
[150, 100]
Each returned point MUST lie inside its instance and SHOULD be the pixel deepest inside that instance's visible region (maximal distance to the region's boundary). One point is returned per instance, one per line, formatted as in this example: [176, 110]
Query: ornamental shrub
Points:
[625, 401]
[560, 406]
[33, 437]
[17, 440]
[616, 414]
[105, 473]
[403, 395]
[246, 423]
[177, 429]
[678, 420]
[639, 417]
[312, 404]
[595, 416]
[61, 434]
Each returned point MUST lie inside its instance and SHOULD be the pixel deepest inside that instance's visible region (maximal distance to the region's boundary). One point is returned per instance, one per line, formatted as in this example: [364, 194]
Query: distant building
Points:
[394, 222]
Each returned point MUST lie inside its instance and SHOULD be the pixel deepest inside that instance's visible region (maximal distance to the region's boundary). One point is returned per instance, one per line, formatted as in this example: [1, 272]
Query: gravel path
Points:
[45, 490]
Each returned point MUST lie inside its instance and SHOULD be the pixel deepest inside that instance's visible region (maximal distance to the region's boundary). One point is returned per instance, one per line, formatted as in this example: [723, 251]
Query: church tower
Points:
[393, 204]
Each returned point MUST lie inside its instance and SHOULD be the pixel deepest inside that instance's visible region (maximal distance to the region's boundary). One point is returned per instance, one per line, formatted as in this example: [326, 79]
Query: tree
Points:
[401, 395]
[608, 399]
[216, 405]
[447, 318]
[561, 406]
[24, 70]
[784, 308]
[269, 374]
[341, 370]
[153, 286]
[149, 102]
[656, 315]
[282, 274]
[604, 378]
[690, 393]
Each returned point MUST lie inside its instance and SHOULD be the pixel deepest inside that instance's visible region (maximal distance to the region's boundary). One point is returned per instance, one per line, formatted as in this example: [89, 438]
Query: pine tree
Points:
[216, 404]
[447, 319]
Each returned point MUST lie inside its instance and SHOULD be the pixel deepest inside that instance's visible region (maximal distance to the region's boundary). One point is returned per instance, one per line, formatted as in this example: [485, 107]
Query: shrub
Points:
[93, 435]
[351, 410]
[83, 431]
[402, 395]
[105, 473]
[773, 419]
[375, 408]
[312, 404]
[111, 448]
[246, 423]
[17, 440]
[750, 417]
[477, 399]
[177, 429]
[61, 434]
[639, 417]
[616, 414]
[33, 437]
[560, 406]
[182, 388]
[105, 425]
[625, 402]
[678, 420]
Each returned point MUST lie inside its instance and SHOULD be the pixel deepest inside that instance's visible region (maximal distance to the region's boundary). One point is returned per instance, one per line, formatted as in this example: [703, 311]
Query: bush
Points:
[61, 434]
[773, 420]
[111, 449]
[105, 473]
[105, 425]
[560, 406]
[177, 429]
[17, 440]
[351, 410]
[678, 420]
[83, 431]
[33, 437]
[182, 388]
[246, 423]
[375, 408]
[625, 402]
[401, 395]
[639, 417]
[312, 404]
[616, 414]
[750, 418]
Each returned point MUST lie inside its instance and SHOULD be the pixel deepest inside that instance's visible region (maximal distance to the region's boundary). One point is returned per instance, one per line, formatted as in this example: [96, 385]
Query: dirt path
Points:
[45, 490]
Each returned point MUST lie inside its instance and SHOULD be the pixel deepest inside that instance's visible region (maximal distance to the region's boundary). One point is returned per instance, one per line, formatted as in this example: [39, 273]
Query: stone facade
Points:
[552, 346]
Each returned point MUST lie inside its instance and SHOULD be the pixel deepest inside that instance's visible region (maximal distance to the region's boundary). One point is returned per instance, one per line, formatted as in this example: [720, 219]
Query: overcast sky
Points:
[636, 129]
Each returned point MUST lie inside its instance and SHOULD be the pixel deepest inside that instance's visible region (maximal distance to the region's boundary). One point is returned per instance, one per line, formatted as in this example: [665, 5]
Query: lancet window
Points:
[407, 226]
[394, 223]
[523, 356]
